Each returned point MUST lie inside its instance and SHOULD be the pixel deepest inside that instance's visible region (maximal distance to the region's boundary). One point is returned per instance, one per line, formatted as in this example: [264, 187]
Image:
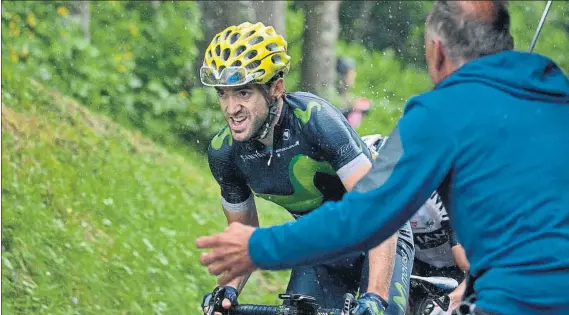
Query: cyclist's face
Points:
[351, 78]
[244, 108]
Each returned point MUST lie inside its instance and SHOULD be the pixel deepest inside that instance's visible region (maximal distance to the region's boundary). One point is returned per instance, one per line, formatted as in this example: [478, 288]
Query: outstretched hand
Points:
[229, 254]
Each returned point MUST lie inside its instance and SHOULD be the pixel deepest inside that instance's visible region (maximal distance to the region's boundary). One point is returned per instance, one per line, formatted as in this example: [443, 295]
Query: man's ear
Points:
[278, 88]
[439, 55]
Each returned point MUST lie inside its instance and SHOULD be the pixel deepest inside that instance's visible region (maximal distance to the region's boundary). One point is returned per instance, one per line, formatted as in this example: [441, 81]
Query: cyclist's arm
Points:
[413, 163]
[237, 201]
[247, 215]
[381, 258]
[340, 147]
[461, 261]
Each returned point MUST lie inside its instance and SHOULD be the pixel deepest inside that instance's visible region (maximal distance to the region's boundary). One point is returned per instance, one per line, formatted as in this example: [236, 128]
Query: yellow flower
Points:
[183, 93]
[118, 57]
[62, 11]
[31, 19]
[14, 55]
[29, 33]
[122, 68]
[128, 55]
[133, 29]
[14, 30]
[24, 52]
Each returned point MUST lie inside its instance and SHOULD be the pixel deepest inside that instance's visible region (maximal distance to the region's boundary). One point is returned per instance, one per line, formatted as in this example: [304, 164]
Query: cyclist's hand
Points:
[229, 299]
[438, 306]
[370, 304]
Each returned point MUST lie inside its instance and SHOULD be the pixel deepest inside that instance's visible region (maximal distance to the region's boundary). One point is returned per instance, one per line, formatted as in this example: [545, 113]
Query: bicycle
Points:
[293, 304]
[425, 288]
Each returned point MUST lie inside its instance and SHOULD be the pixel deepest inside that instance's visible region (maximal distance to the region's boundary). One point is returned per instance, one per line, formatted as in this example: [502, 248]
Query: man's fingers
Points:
[207, 241]
[219, 267]
[233, 271]
[211, 257]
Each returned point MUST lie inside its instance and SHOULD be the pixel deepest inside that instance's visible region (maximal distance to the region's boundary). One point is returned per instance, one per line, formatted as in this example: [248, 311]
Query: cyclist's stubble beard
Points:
[255, 115]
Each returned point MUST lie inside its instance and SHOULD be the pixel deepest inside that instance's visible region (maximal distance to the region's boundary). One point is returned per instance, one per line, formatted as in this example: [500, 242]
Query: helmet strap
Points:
[272, 103]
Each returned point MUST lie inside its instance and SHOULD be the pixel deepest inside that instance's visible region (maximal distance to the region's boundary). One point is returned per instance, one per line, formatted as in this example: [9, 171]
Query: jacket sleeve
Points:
[414, 161]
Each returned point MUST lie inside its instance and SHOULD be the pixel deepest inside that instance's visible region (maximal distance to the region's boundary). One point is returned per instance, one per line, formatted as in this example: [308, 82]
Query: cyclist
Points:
[437, 251]
[491, 138]
[298, 151]
[354, 109]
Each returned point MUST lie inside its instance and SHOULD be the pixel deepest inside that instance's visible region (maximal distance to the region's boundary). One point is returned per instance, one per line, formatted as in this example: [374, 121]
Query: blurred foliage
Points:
[378, 25]
[97, 219]
[138, 67]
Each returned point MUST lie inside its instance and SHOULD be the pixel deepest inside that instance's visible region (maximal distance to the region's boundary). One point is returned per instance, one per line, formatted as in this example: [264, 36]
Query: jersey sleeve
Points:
[414, 161]
[336, 141]
[235, 193]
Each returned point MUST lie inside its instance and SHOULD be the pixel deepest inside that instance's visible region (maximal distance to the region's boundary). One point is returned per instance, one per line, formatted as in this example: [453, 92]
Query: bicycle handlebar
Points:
[252, 309]
[293, 304]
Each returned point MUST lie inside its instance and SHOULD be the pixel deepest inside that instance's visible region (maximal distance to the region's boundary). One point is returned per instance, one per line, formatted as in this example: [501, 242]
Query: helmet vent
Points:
[256, 40]
[226, 53]
[276, 59]
[252, 54]
[250, 33]
[253, 65]
[240, 50]
[217, 50]
[272, 47]
[236, 63]
[233, 38]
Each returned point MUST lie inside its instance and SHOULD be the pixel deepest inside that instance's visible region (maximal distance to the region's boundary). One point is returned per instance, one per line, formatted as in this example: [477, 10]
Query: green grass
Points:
[99, 220]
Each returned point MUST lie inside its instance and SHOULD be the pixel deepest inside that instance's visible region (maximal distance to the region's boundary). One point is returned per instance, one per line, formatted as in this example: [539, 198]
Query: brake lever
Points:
[349, 304]
[216, 300]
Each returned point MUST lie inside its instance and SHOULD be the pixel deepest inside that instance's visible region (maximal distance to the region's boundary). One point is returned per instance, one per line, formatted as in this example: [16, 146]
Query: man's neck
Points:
[268, 141]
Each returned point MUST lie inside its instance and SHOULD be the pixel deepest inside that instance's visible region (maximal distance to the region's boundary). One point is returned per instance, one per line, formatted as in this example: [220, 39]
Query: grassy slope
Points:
[99, 220]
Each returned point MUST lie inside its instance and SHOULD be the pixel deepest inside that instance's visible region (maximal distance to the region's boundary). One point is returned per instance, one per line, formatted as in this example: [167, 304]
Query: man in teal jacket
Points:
[492, 137]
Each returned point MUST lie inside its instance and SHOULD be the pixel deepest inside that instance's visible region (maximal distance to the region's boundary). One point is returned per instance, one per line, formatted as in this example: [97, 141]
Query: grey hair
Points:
[467, 36]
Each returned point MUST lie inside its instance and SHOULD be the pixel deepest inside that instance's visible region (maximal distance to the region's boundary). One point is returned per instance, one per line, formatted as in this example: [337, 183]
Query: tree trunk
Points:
[272, 13]
[318, 69]
[217, 15]
[155, 4]
[81, 12]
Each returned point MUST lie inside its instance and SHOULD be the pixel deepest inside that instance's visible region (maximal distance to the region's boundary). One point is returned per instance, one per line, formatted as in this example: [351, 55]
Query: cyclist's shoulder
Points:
[311, 109]
[221, 145]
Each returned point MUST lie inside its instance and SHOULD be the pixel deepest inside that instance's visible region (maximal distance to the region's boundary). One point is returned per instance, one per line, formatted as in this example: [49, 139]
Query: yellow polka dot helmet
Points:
[242, 54]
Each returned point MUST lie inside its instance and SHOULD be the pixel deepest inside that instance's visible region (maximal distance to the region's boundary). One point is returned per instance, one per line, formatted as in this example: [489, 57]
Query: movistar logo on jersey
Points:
[306, 196]
[304, 115]
[217, 141]
[400, 299]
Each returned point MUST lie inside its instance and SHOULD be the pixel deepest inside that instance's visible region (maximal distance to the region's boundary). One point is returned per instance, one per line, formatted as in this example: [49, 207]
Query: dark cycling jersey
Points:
[314, 148]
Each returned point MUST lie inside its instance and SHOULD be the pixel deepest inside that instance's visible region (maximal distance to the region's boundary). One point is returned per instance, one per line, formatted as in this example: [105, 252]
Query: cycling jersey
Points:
[433, 234]
[314, 148]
